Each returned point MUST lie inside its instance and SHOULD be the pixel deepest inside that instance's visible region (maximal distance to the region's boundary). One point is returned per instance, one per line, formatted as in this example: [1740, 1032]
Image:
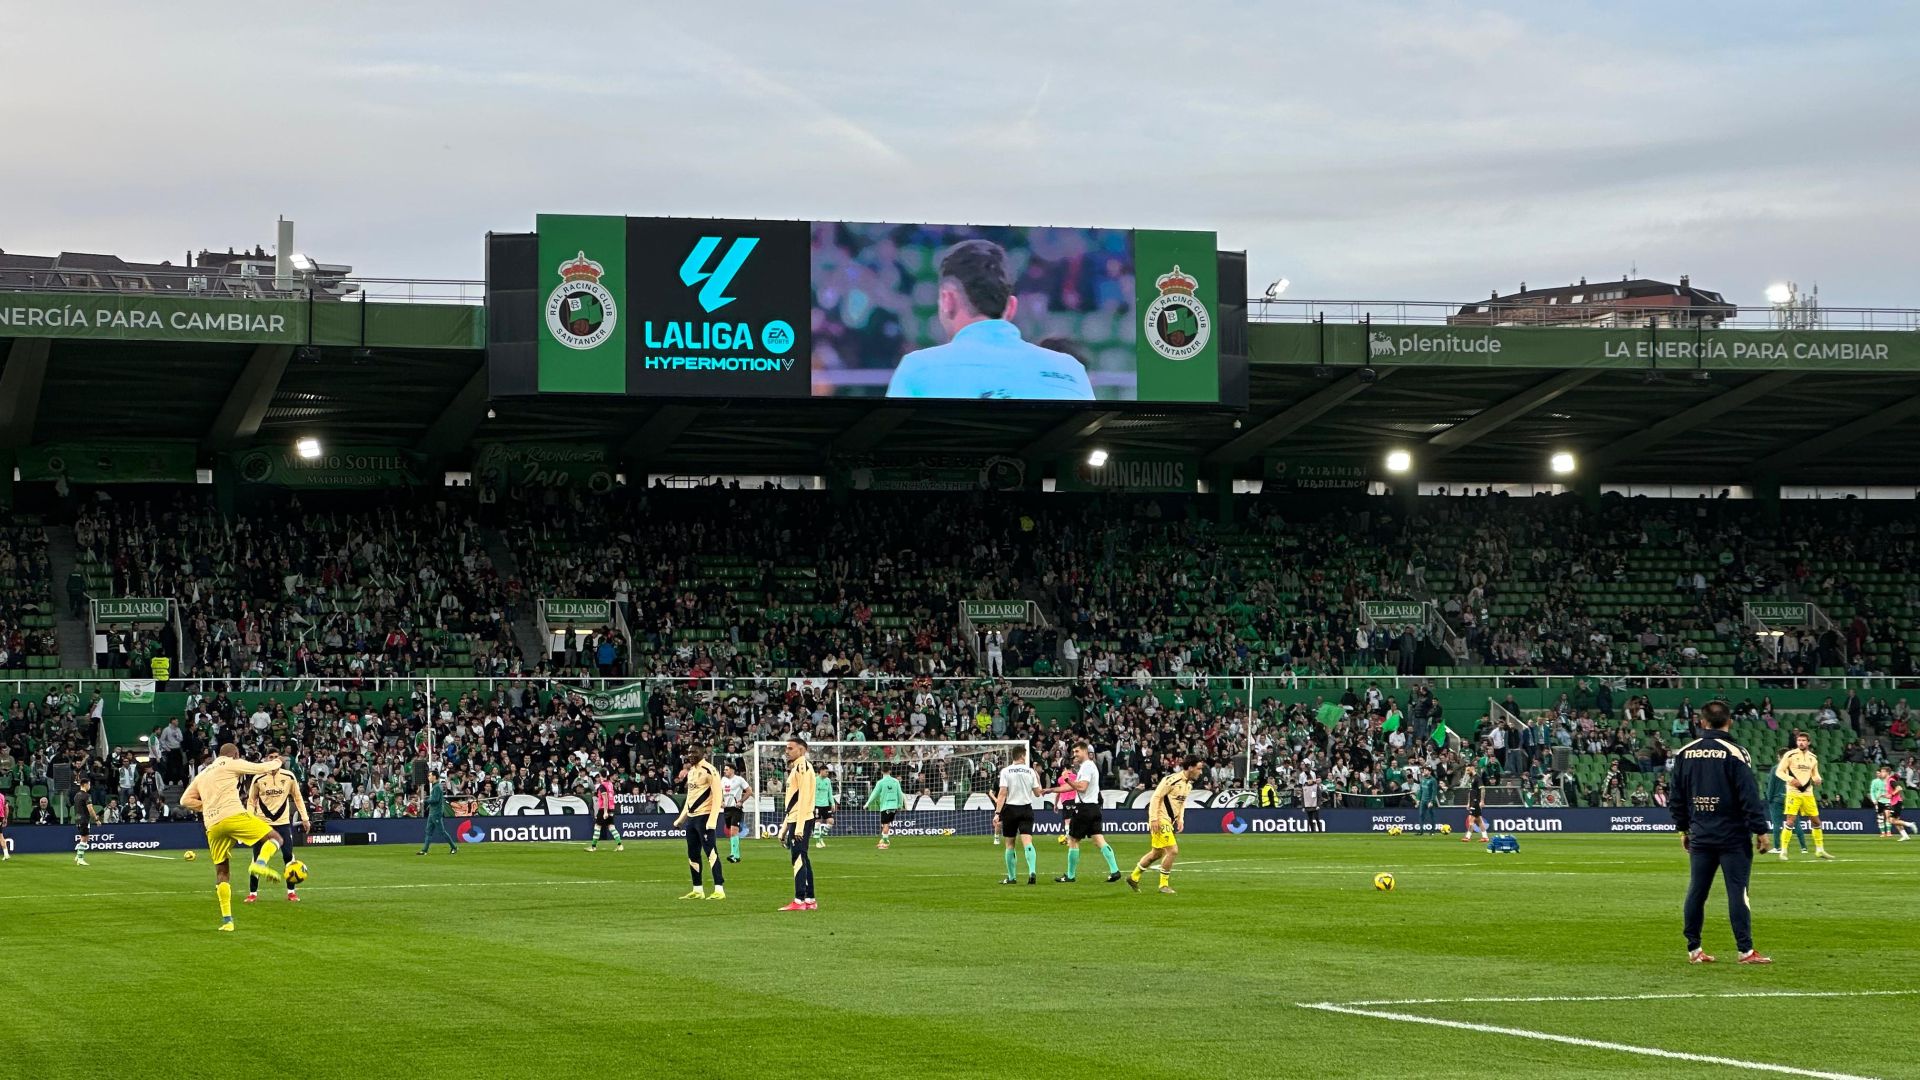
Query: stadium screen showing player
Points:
[946, 788]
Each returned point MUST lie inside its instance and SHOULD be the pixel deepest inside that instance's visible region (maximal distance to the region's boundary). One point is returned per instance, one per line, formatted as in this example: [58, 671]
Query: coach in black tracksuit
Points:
[1716, 807]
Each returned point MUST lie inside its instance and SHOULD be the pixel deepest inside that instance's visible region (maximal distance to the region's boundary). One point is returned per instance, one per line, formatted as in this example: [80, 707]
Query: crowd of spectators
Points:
[25, 591]
[346, 594]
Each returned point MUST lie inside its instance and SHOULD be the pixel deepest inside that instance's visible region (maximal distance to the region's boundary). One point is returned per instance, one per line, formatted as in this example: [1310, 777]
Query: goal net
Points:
[947, 787]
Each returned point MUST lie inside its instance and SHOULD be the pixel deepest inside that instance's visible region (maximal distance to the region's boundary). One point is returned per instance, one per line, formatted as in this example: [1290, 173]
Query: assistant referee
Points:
[1717, 809]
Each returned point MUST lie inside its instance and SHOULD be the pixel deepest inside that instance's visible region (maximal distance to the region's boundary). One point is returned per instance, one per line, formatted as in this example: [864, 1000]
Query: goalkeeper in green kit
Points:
[822, 806]
[886, 799]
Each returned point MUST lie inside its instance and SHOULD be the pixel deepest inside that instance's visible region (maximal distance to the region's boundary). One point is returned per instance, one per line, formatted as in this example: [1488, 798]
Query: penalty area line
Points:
[1574, 1040]
[1638, 997]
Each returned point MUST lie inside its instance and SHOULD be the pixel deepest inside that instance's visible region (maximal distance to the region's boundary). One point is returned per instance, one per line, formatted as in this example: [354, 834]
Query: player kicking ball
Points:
[1167, 815]
[215, 796]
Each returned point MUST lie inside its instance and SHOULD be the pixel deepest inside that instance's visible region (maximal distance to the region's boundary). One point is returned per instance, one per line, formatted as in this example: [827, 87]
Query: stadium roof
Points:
[1851, 422]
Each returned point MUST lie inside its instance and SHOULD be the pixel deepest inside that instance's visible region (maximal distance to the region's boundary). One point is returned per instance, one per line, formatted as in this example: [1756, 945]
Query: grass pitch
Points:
[516, 960]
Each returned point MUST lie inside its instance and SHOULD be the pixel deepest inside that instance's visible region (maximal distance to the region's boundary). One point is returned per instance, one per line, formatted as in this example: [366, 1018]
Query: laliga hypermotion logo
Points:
[1230, 822]
[470, 833]
[1177, 324]
[581, 313]
[713, 294]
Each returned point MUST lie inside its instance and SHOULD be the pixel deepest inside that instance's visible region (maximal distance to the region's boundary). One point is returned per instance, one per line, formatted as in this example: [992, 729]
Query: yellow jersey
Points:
[703, 793]
[1800, 769]
[217, 788]
[1169, 806]
[275, 799]
[799, 791]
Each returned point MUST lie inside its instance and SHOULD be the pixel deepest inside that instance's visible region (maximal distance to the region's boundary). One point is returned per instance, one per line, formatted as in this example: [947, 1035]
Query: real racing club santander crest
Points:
[581, 313]
[1177, 324]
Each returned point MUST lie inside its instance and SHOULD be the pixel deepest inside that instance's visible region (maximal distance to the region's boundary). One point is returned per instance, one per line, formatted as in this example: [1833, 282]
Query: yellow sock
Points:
[1136, 874]
[1785, 835]
[1819, 839]
[225, 892]
[267, 849]
[1164, 879]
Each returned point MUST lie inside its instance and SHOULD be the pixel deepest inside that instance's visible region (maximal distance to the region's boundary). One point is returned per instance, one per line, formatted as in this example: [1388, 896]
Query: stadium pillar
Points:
[1766, 490]
[225, 484]
[1588, 488]
[1220, 483]
[6, 479]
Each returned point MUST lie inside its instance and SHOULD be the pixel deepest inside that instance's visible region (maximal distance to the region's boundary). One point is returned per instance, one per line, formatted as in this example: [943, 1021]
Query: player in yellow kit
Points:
[1167, 815]
[275, 799]
[215, 796]
[1801, 770]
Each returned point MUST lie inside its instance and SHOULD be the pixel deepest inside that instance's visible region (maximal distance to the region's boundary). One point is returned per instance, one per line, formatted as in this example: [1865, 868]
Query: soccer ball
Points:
[1383, 882]
[1393, 830]
[189, 856]
[296, 873]
[1445, 829]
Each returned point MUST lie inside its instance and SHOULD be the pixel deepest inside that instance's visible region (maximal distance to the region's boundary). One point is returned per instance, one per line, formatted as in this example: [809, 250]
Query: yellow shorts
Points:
[1163, 837]
[1802, 806]
[244, 829]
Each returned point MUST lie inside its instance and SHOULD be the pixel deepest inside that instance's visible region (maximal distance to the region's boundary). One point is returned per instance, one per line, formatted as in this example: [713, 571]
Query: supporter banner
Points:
[996, 611]
[543, 465]
[109, 462]
[136, 317]
[1781, 613]
[131, 609]
[136, 691]
[1394, 611]
[1383, 344]
[993, 474]
[929, 820]
[1128, 472]
[345, 468]
[620, 704]
[1314, 474]
[587, 611]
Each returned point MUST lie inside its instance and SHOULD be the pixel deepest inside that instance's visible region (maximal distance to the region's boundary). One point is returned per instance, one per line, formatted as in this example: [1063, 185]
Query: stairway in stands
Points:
[526, 631]
[76, 652]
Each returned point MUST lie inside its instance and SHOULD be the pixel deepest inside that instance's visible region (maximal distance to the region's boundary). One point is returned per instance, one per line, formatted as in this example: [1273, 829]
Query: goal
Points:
[947, 787]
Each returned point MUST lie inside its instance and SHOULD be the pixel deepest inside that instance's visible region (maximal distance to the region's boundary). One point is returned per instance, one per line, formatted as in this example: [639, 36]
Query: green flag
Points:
[136, 691]
[1329, 714]
[1440, 734]
[1392, 723]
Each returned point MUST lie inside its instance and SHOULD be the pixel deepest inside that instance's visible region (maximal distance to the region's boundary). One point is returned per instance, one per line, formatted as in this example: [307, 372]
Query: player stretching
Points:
[797, 829]
[1776, 808]
[1083, 787]
[701, 815]
[823, 805]
[1800, 768]
[1886, 803]
[215, 796]
[1476, 806]
[885, 798]
[1167, 815]
[606, 825]
[275, 799]
[84, 818]
[1013, 812]
[734, 794]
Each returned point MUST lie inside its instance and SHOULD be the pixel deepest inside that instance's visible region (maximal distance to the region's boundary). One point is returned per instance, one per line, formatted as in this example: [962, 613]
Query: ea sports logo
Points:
[1230, 822]
[469, 833]
[581, 313]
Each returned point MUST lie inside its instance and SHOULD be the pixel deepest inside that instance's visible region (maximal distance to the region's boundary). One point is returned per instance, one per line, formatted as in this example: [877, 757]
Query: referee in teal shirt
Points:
[985, 356]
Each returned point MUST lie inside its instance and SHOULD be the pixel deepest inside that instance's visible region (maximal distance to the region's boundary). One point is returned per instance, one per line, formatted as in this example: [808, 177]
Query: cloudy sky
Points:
[1360, 149]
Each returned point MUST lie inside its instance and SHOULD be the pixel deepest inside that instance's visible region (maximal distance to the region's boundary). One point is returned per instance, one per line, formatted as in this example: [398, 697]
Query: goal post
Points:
[948, 787]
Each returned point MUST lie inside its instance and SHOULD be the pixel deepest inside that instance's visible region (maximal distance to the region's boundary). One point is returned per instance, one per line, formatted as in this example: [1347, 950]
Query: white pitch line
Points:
[1638, 997]
[340, 888]
[1593, 1044]
[142, 855]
